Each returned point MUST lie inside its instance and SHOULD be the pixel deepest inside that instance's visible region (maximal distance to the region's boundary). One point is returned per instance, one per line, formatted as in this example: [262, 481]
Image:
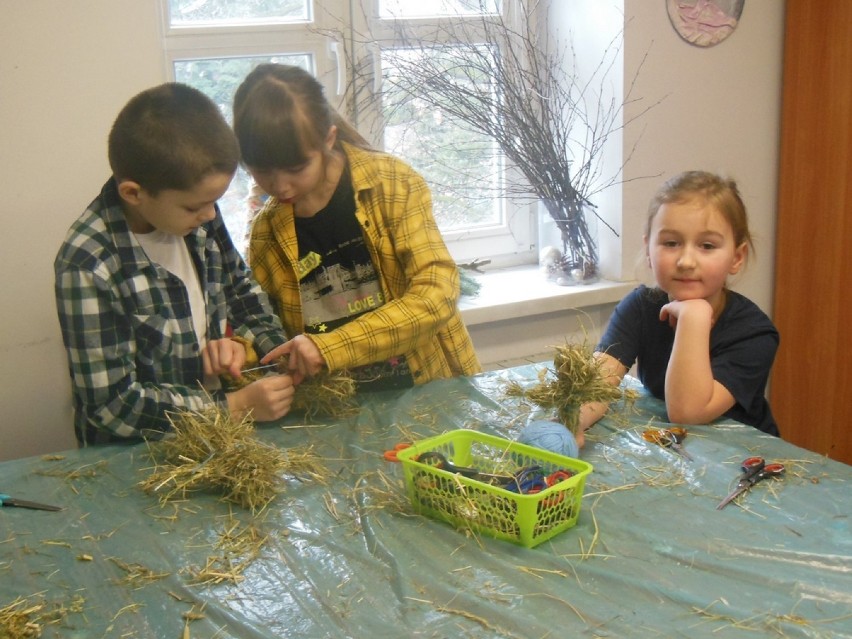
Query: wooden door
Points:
[811, 387]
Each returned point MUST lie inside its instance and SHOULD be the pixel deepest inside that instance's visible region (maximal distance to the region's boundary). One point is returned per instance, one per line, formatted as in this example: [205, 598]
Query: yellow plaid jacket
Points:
[419, 279]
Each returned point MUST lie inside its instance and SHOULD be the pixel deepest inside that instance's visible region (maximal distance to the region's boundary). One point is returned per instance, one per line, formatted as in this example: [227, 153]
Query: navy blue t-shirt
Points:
[743, 342]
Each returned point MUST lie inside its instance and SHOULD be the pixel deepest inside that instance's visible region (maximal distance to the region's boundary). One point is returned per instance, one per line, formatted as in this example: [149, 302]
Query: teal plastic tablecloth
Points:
[650, 556]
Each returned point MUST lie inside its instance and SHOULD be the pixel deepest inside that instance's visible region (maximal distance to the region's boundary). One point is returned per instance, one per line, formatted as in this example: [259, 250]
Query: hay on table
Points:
[240, 545]
[330, 394]
[576, 379]
[25, 617]
[20, 619]
[210, 450]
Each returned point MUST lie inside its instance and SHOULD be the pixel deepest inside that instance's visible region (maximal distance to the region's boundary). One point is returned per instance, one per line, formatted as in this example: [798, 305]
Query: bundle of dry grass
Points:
[25, 618]
[330, 393]
[576, 379]
[211, 450]
[19, 619]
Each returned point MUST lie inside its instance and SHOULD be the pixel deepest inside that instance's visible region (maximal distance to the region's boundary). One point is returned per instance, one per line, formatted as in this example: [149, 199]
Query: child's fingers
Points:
[232, 357]
[298, 366]
[667, 314]
[205, 358]
[277, 352]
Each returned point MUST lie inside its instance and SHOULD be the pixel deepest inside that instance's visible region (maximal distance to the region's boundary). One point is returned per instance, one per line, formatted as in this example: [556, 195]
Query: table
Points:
[650, 556]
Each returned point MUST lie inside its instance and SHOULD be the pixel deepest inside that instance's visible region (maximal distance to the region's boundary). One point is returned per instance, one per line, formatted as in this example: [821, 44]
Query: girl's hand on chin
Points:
[677, 309]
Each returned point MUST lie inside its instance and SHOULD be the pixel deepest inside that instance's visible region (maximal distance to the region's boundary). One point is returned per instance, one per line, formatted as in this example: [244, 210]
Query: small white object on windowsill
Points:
[550, 261]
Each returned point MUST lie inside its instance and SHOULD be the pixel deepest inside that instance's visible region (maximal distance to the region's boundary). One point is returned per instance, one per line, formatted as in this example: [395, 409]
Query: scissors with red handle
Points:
[390, 455]
[11, 502]
[754, 469]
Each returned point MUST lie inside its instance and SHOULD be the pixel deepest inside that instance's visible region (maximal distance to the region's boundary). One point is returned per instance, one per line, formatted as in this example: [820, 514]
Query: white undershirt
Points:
[170, 252]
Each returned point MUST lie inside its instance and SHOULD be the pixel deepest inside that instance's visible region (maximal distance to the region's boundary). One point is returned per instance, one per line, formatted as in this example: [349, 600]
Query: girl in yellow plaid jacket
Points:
[390, 310]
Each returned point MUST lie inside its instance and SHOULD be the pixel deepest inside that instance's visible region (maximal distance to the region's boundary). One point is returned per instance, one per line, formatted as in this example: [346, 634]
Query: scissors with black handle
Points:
[754, 469]
[12, 502]
[438, 460]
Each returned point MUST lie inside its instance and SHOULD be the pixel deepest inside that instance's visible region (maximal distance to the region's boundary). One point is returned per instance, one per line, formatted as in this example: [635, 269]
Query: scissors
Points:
[390, 455]
[439, 460]
[668, 438]
[754, 470]
[6, 500]
[431, 458]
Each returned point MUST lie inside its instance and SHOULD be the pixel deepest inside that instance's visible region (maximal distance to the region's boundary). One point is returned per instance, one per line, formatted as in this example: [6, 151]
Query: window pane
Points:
[435, 8]
[186, 13]
[219, 78]
[462, 167]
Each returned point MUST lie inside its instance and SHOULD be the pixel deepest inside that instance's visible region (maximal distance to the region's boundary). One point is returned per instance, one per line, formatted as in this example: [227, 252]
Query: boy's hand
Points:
[268, 398]
[223, 356]
[304, 358]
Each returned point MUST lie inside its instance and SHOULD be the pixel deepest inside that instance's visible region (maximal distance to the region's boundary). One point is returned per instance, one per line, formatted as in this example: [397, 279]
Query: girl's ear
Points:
[130, 192]
[647, 250]
[740, 254]
[331, 138]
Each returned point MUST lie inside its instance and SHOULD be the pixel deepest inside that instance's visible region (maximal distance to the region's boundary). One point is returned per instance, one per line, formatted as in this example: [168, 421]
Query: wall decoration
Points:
[704, 23]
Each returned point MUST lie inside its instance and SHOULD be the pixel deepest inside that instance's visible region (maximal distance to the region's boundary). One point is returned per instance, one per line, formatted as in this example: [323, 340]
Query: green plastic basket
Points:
[470, 504]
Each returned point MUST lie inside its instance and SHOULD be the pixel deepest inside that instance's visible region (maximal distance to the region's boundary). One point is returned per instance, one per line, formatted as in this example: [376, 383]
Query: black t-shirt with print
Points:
[338, 281]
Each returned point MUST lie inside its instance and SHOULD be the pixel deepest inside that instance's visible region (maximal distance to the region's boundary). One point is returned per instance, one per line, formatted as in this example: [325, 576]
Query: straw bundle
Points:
[26, 617]
[576, 379]
[330, 393]
[18, 619]
[211, 450]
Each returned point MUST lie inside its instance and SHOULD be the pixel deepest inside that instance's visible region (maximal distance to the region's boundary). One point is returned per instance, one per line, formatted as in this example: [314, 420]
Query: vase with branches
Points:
[505, 77]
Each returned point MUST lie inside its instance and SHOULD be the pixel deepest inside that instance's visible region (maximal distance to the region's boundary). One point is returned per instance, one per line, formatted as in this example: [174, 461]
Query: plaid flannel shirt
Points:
[127, 326]
[419, 279]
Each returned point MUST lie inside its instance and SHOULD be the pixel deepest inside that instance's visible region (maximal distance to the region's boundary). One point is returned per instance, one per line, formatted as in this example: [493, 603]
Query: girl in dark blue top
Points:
[704, 349]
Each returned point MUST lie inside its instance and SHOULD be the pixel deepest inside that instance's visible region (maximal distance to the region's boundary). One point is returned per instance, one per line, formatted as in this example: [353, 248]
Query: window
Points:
[193, 13]
[212, 44]
[406, 9]
[219, 79]
[465, 169]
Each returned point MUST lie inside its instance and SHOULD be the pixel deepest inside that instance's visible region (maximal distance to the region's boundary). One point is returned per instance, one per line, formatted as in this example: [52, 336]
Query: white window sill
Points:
[523, 291]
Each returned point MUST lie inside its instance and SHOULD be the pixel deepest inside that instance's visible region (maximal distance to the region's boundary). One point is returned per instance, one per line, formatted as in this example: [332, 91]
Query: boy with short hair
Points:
[148, 280]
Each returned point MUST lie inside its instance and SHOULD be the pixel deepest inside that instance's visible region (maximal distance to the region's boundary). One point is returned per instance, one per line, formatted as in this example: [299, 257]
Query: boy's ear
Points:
[130, 192]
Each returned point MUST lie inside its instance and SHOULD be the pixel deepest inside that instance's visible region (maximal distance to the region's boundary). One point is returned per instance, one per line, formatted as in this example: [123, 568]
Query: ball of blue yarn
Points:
[550, 436]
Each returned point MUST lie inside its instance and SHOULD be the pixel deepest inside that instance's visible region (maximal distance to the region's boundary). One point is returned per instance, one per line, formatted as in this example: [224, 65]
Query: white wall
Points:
[715, 108]
[720, 112]
[66, 68]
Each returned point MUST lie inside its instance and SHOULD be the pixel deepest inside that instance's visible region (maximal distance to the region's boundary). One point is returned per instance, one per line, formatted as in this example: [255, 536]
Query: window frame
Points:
[510, 242]
[514, 239]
